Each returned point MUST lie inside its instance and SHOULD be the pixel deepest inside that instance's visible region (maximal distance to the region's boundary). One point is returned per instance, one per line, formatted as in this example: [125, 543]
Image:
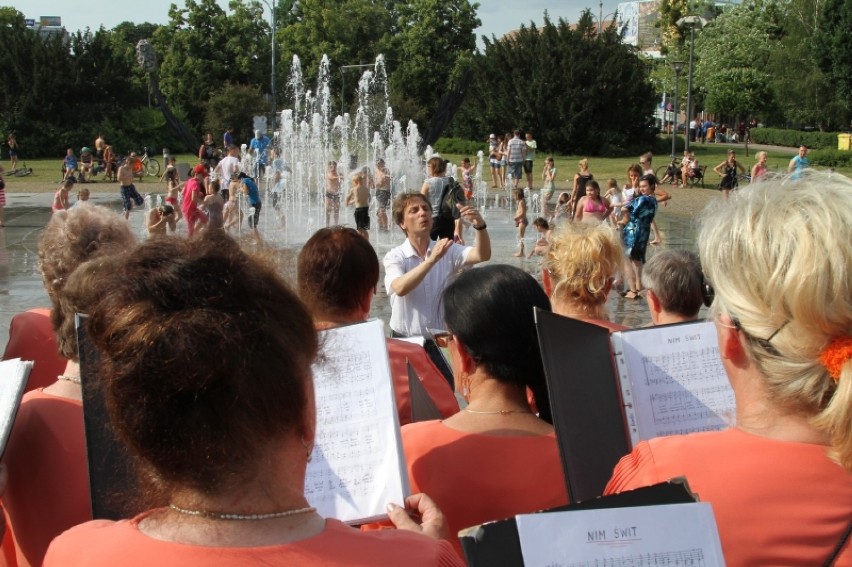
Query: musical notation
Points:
[356, 466]
[675, 381]
[686, 558]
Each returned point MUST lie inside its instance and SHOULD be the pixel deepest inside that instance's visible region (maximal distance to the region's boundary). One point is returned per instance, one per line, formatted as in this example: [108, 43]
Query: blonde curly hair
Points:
[582, 261]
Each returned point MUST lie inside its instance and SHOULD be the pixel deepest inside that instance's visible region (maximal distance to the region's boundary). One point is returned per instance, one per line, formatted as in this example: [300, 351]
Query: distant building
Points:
[47, 26]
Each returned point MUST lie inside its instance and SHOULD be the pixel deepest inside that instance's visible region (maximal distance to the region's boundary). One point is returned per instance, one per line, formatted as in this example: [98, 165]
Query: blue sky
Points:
[498, 16]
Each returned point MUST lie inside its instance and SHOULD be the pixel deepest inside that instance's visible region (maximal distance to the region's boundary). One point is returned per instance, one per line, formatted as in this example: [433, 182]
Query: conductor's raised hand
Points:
[439, 249]
[471, 215]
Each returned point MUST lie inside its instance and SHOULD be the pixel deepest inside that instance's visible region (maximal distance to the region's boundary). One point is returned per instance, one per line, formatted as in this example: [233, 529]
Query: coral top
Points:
[476, 478]
[31, 338]
[433, 381]
[105, 543]
[776, 502]
[48, 489]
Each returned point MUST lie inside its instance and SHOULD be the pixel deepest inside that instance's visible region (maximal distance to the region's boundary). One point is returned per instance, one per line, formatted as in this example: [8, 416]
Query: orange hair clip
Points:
[835, 354]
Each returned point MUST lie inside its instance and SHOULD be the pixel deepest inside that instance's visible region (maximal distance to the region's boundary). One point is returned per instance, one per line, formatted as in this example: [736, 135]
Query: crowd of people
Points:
[211, 390]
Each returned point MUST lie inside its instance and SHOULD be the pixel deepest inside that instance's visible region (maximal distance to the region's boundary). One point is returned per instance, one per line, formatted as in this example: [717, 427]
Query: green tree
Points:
[578, 92]
[233, 105]
[832, 48]
[732, 54]
[434, 47]
[349, 32]
[202, 48]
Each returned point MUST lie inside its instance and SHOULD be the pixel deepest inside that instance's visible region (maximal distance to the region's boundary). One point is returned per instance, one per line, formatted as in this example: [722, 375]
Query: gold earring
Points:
[465, 382]
[308, 448]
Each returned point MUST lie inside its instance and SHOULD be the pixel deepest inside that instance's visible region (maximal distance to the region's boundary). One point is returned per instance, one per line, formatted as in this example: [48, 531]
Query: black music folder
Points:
[608, 391]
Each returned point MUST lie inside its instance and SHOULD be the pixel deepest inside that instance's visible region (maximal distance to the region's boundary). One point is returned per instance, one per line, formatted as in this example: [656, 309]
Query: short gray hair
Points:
[675, 277]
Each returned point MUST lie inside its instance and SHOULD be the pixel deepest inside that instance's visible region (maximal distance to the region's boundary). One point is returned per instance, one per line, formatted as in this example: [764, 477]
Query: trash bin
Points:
[711, 134]
[844, 141]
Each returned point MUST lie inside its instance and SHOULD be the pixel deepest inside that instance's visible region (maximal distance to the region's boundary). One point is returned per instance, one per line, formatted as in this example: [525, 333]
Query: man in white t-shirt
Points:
[227, 170]
[418, 271]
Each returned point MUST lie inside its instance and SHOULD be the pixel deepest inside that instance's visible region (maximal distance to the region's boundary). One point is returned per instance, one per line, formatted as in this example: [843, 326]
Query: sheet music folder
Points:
[112, 476]
[608, 391]
[422, 406]
[497, 543]
[14, 374]
[584, 400]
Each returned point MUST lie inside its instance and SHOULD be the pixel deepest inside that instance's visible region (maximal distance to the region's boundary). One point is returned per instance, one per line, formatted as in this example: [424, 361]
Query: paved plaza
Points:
[27, 214]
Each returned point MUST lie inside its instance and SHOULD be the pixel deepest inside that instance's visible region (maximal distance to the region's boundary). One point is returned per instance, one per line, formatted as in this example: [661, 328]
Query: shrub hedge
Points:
[793, 138]
[831, 157]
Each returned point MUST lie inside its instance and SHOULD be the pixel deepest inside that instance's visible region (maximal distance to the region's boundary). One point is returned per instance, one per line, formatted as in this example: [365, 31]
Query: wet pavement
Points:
[27, 213]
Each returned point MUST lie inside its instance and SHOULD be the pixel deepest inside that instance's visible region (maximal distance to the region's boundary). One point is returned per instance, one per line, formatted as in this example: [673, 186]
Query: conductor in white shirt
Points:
[418, 271]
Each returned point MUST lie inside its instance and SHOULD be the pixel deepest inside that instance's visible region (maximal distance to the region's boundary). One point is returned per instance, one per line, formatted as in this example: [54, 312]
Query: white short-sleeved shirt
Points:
[422, 308]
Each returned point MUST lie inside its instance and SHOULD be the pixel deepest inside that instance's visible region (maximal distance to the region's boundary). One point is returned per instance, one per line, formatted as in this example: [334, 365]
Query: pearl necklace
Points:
[227, 516]
[498, 412]
[74, 379]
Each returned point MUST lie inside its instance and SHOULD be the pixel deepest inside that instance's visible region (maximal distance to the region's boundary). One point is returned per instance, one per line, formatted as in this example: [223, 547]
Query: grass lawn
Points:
[50, 171]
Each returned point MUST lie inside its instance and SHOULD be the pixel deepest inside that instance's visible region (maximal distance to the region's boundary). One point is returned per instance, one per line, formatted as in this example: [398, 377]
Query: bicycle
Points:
[151, 165]
[21, 171]
[145, 164]
[669, 173]
[745, 177]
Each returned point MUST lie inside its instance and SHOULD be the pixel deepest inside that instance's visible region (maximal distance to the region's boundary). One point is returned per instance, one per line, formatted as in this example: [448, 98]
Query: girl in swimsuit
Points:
[592, 208]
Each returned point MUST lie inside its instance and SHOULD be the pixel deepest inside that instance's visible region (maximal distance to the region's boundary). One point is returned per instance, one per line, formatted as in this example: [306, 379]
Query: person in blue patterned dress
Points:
[637, 216]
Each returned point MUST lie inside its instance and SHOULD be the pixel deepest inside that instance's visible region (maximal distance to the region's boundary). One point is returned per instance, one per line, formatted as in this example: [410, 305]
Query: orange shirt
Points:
[776, 502]
[48, 488]
[105, 543]
[31, 338]
[476, 478]
[433, 381]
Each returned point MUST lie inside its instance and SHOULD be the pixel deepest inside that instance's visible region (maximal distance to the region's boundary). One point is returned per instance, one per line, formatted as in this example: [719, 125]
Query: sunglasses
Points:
[443, 339]
[707, 291]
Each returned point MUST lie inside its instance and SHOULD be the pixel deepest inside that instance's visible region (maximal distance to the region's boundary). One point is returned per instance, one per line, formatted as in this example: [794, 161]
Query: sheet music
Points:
[673, 380]
[13, 379]
[357, 466]
[644, 536]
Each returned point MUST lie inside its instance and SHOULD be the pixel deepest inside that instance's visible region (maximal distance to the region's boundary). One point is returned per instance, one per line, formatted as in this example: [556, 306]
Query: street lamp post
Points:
[677, 66]
[272, 77]
[601, 17]
[692, 22]
[343, 83]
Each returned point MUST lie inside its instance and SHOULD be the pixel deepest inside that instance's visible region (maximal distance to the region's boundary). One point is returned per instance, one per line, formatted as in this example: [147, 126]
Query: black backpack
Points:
[445, 220]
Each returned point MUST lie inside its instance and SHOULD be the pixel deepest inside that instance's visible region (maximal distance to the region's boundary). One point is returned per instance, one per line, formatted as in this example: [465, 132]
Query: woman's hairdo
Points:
[490, 310]
[337, 269]
[205, 357]
[777, 254]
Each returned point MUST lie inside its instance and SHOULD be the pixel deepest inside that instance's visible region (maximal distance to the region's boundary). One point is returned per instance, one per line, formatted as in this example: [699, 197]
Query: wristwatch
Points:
[481, 227]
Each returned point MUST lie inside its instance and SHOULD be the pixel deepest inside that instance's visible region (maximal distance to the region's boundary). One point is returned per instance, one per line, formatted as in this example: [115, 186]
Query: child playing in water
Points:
[82, 196]
[563, 204]
[332, 193]
[359, 195]
[613, 194]
[521, 220]
[174, 185]
[548, 175]
[467, 178]
[544, 232]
